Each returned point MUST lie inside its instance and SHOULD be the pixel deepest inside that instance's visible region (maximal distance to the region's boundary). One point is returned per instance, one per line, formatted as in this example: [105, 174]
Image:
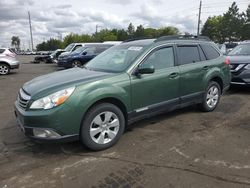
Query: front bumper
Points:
[48, 120]
[14, 65]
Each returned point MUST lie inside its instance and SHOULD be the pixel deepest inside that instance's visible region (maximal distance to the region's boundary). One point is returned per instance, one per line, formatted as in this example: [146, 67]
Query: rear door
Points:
[191, 61]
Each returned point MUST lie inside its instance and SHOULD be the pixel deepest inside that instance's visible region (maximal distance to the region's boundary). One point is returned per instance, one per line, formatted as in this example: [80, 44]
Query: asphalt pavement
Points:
[183, 148]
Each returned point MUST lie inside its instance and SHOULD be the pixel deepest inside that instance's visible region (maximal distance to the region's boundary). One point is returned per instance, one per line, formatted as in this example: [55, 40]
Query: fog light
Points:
[45, 133]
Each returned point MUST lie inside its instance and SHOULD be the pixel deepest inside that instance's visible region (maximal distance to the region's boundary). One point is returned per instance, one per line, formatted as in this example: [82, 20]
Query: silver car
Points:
[7, 62]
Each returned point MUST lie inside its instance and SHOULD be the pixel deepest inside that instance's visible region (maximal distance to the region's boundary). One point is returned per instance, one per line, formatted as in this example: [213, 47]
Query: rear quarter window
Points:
[1, 51]
[210, 51]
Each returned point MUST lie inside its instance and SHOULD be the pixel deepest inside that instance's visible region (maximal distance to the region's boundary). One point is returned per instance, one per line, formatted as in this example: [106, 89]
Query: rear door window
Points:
[188, 54]
[210, 51]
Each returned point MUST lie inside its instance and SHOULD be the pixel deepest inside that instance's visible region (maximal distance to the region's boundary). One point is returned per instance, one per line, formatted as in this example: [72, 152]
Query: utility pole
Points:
[199, 20]
[31, 37]
[96, 28]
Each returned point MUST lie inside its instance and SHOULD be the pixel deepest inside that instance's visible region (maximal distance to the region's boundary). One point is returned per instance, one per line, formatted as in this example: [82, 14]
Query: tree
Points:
[231, 26]
[51, 44]
[212, 29]
[131, 30]
[15, 41]
[246, 28]
[105, 35]
[232, 22]
[168, 31]
[122, 35]
[139, 32]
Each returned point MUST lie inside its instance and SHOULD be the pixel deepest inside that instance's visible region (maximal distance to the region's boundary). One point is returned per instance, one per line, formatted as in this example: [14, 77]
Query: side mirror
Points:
[84, 53]
[145, 69]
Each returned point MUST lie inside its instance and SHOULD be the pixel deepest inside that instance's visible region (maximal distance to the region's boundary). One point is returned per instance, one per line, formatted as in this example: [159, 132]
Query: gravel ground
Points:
[183, 148]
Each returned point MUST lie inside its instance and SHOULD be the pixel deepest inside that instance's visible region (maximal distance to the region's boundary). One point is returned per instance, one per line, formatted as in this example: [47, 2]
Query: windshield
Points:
[69, 47]
[115, 59]
[242, 49]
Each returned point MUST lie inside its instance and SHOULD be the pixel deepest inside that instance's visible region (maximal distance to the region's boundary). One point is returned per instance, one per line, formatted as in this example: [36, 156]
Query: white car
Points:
[8, 52]
[8, 62]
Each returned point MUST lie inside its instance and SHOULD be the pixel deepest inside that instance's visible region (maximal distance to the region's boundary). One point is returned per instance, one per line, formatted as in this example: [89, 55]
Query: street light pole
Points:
[31, 37]
[199, 20]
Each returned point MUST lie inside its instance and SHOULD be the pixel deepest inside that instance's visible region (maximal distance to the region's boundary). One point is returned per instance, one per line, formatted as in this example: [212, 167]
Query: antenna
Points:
[31, 37]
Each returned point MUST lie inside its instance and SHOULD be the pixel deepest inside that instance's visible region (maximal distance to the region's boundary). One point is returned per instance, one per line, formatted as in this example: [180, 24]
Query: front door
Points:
[159, 88]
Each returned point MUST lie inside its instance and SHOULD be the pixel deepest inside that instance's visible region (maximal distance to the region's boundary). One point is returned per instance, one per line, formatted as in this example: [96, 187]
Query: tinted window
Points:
[100, 49]
[188, 54]
[77, 46]
[2, 50]
[210, 52]
[162, 58]
[90, 50]
[243, 49]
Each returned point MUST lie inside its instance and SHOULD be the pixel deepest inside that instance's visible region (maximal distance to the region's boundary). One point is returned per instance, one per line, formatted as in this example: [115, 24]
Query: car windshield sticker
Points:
[135, 48]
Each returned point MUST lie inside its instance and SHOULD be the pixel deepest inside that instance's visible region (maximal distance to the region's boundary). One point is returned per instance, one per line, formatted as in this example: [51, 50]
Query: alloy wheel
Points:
[212, 96]
[104, 127]
[4, 69]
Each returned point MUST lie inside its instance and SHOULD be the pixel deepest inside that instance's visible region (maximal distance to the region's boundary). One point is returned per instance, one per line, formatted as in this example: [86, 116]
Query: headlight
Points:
[52, 100]
[247, 67]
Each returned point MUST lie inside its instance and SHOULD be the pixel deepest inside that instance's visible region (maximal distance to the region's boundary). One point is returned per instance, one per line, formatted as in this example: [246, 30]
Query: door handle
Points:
[205, 68]
[173, 75]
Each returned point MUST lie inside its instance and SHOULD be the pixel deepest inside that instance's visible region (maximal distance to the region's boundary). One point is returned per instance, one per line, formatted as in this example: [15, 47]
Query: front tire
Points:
[76, 63]
[211, 97]
[102, 126]
[4, 69]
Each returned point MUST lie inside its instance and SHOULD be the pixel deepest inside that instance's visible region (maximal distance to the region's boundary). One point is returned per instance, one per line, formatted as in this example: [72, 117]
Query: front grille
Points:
[236, 68]
[23, 99]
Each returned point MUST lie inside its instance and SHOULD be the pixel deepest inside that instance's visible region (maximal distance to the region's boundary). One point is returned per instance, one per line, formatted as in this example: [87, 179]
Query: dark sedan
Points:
[82, 55]
[240, 64]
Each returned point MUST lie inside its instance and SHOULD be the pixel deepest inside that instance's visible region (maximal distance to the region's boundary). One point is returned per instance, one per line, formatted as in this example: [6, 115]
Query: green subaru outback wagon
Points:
[128, 82]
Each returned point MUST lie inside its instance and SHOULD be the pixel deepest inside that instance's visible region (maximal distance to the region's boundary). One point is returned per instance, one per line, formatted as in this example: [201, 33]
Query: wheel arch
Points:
[219, 80]
[112, 100]
[4, 62]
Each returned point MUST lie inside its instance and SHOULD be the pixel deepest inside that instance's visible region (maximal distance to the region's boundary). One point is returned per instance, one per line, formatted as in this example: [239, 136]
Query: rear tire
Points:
[102, 126]
[4, 69]
[211, 97]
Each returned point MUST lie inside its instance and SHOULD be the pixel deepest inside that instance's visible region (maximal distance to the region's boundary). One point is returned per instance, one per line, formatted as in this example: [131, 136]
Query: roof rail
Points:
[133, 39]
[182, 37]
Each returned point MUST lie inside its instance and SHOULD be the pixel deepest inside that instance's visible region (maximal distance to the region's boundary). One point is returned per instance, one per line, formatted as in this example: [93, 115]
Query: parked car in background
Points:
[240, 64]
[82, 55]
[72, 47]
[7, 52]
[7, 62]
[123, 84]
[52, 58]
[227, 47]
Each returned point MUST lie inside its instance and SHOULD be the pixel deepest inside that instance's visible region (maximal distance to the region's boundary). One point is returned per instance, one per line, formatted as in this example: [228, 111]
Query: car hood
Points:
[237, 59]
[62, 79]
[64, 54]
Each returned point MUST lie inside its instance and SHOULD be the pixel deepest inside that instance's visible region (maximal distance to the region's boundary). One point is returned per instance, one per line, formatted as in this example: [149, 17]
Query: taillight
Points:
[227, 62]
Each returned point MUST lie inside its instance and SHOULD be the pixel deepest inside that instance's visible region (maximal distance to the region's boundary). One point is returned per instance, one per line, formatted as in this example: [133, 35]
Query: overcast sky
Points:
[54, 18]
